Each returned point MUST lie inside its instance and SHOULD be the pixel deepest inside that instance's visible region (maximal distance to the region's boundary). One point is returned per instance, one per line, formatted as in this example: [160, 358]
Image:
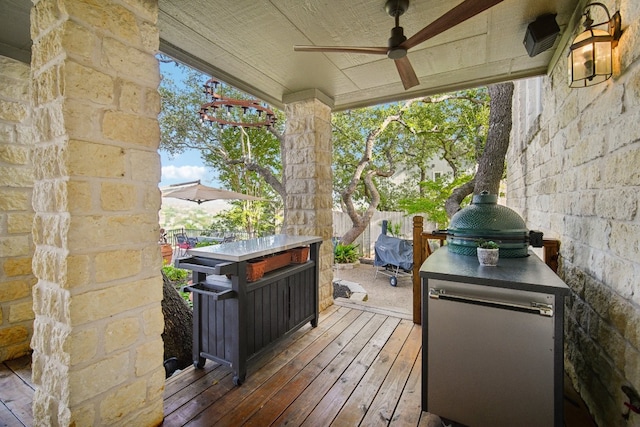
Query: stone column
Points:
[16, 214]
[308, 178]
[97, 347]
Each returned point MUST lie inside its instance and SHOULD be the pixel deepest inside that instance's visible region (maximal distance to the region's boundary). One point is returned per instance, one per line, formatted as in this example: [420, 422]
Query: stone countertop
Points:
[243, 250]
[528, 273]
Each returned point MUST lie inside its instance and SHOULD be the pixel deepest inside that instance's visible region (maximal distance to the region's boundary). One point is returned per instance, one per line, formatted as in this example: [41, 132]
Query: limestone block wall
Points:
[307, 177]
[16, 214]
[97, 347]
[573, 172]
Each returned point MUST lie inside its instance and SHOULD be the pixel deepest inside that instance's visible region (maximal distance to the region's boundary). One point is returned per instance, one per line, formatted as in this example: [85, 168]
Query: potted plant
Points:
[488, 252]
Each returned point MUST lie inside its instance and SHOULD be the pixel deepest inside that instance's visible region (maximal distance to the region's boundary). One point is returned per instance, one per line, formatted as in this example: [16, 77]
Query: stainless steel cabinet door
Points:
[490, 359]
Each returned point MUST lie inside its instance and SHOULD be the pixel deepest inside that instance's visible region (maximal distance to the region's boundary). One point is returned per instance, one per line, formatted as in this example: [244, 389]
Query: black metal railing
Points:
[217, 236]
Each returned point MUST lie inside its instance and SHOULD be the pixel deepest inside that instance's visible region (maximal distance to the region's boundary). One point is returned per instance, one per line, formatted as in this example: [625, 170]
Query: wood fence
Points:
[366, 241]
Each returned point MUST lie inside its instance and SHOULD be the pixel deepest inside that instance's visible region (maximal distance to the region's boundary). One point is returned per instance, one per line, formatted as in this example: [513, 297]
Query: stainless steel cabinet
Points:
[492, 341]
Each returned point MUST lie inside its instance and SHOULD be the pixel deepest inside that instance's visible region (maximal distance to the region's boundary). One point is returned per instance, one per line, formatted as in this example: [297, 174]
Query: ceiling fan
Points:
[398, 44]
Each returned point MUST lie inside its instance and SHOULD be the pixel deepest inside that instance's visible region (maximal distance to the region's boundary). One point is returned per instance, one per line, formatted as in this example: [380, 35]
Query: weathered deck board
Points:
[309, 387]
[383, 407]
[360, 366]
[408, 411]
[22, 368]
[358, 403]
[7, 418]
[16, 392]
[332, 401]
[258, 373]
[320, 353]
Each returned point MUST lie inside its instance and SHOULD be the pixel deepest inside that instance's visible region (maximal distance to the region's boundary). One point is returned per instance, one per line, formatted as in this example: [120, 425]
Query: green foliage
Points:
[178, 278]
[256, 218]
[229, 151]
[394, 229]
[450, 128]
[186, 296]
[346, 253]
[434, 196]
[205, 243]
[487, 244]
[350, 132]
[176, 275]
[408, 137]
[192, 217]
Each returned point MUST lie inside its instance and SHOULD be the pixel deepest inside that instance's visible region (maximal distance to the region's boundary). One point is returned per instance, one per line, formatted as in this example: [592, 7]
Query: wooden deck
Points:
[16, 392]
[354, 367]
[358, 367]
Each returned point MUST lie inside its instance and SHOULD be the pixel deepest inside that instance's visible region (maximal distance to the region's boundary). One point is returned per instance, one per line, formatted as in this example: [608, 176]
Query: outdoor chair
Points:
[185, 243]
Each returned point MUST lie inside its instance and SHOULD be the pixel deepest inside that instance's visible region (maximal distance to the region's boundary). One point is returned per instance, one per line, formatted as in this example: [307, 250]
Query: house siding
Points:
[573, 173]
[16, 213]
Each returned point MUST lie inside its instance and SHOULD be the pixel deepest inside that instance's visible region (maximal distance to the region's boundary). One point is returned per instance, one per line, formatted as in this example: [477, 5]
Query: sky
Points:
[184, 167]
[187, 166]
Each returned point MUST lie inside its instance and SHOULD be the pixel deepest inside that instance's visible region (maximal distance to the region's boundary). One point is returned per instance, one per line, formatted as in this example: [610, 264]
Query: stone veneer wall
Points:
[16, 214]
[97, 343]
[574, 172]
[308, 181]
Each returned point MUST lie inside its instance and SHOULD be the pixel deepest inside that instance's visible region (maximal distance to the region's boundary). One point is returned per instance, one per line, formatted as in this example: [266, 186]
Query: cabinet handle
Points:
[534, 307]
[214, 294]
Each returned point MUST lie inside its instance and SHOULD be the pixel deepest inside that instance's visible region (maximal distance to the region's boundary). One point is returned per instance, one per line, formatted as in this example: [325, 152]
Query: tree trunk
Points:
[491, 162]
[178, 328]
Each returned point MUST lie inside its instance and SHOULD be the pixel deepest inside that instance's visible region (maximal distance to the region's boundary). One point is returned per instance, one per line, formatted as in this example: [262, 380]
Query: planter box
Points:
[257, 267]
[255, 270]
[300, 255]
[276, 261]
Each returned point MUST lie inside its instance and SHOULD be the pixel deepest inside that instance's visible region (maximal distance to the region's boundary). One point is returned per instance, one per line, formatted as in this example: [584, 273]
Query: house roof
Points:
[249, 44]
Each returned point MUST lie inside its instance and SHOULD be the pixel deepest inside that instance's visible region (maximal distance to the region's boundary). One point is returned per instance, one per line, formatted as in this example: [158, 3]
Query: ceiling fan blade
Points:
[407, 75]
[348, 49]
[465, 10]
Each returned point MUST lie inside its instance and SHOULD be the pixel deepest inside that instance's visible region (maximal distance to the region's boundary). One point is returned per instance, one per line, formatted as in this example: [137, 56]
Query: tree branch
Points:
[452, 205]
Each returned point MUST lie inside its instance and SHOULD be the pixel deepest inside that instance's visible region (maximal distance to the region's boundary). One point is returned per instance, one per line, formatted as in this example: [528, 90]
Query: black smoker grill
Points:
[393, 257]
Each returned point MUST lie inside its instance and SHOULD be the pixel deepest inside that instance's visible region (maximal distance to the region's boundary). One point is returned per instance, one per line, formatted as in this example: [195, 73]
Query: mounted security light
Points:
[589, 61]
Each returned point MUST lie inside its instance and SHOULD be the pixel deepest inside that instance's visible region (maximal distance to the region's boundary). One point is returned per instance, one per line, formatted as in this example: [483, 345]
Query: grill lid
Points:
[485, 219]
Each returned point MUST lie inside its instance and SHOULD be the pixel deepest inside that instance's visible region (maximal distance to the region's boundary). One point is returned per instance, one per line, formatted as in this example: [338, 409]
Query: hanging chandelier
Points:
[231, 112]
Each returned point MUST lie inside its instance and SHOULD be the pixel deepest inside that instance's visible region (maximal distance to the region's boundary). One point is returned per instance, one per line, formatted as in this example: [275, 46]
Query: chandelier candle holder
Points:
[231, 112]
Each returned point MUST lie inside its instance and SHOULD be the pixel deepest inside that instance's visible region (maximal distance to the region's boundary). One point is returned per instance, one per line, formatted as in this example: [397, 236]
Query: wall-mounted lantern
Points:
[590, 58]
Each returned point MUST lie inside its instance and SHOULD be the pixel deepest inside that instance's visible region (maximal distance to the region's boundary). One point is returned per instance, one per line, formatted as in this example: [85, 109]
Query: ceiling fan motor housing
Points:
[396, 39]
[396, 7]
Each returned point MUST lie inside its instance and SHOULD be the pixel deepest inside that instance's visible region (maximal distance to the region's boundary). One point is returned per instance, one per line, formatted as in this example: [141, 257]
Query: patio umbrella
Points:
[199, 193]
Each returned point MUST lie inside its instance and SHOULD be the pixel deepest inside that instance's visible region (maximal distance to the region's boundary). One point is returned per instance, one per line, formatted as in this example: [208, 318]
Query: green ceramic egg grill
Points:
[485, 219]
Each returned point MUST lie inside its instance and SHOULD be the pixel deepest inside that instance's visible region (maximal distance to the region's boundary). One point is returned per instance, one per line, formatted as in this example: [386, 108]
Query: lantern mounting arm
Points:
[614, 22]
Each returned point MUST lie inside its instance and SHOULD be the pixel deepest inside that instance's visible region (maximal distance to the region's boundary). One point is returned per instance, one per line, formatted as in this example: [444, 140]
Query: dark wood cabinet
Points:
[235, 320]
